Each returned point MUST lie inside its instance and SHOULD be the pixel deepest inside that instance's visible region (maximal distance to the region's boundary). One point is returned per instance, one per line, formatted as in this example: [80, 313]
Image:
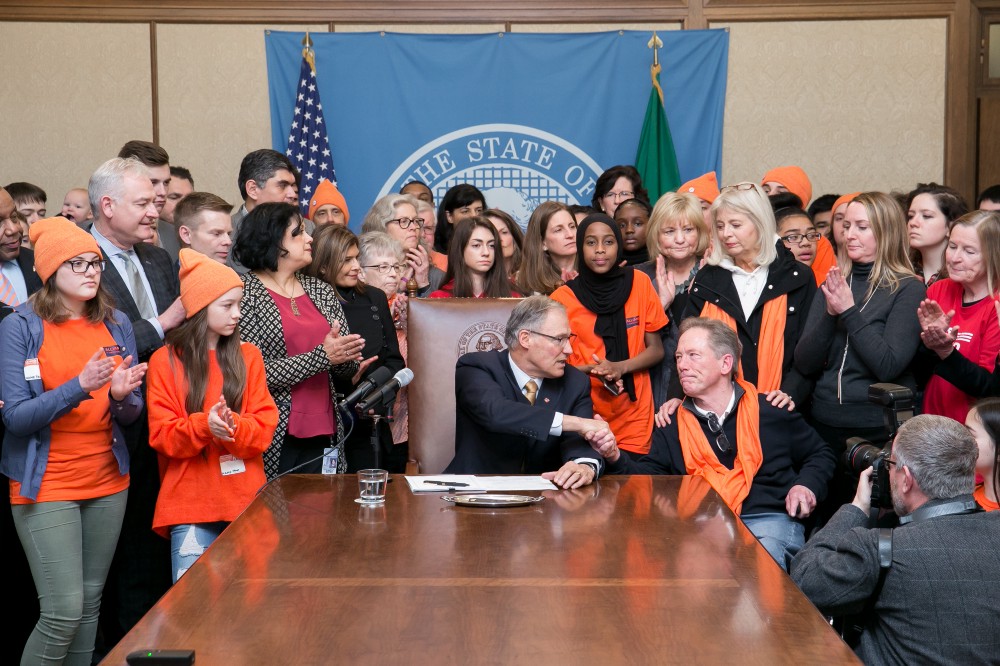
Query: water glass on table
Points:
[371, 486]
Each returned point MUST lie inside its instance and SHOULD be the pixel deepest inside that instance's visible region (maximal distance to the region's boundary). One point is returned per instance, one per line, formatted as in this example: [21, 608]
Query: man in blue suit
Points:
[523, 410]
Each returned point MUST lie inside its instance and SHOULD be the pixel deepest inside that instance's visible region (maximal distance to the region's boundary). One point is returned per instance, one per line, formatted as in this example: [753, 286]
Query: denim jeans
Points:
[69, 546]
[781, 535]
[188, 542]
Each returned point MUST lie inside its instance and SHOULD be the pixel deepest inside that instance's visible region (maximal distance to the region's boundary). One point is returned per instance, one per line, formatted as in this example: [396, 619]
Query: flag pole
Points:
[656, 44]
[308, 53]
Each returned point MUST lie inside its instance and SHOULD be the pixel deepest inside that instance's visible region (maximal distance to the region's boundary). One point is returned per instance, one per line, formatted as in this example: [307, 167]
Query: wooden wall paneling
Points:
[960, 95]
[988, 171]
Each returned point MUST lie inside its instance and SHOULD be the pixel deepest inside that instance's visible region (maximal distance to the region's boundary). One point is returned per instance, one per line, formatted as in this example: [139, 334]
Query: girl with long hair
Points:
[930, 211]
[549, 256]
[511, 238]
[475, 266]
[983, 420]
[210, 413]
[65, 400]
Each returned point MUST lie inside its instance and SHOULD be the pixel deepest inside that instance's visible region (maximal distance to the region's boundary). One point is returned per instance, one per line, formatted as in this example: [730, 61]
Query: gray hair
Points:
[528, 315]
[753, 203]
[108, 180]
[384, 210]
[941, 454]
[375, 243]
[722, 340]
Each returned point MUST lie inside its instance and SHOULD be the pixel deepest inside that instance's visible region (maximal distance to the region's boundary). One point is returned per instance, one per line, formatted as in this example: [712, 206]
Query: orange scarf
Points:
[700, 458]
[770, 346]
[824, 260]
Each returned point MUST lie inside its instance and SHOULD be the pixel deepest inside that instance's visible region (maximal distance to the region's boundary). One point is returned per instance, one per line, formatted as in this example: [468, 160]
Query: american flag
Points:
[308, 144]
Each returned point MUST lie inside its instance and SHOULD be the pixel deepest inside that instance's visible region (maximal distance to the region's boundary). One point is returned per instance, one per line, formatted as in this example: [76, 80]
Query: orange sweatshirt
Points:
[204, 479]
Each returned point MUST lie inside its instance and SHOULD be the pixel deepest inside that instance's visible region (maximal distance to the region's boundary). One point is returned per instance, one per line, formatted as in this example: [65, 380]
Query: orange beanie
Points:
[842, 200]
[327, 193]
[795, 179]
[55, 240]
[203, 280]
[705, 187]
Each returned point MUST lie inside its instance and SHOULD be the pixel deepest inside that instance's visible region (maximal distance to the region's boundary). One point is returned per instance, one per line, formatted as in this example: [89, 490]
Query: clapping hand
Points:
[837, 292]
[342, 348]
[126, 378]
[97, 371]
[665, 285]
[221, 422]
[936, 331]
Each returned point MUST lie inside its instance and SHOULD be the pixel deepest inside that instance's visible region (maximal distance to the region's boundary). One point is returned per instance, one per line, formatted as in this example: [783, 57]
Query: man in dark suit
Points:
[266, 176]
[143, 281]
[523, 410]
[18, 280]
[933, 599]
[768, 465]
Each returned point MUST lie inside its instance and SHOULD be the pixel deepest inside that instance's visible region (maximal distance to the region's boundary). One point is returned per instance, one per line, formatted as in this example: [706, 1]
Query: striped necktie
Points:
[138, 289]
[7, 293]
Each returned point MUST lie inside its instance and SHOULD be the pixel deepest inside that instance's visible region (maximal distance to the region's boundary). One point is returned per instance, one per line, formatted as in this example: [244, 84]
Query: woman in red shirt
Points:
[210, 414]
[475, 266]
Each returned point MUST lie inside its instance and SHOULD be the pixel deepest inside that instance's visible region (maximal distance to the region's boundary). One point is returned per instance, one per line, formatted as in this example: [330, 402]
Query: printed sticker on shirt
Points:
[113, 350]
[230, 465]
[631, 322]
[32, 371]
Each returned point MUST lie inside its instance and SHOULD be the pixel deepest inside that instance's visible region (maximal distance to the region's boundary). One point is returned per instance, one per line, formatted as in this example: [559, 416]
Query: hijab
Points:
[605, 295]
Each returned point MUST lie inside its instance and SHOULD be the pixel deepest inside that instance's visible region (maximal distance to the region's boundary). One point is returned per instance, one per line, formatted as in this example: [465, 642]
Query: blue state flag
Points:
[523, 117]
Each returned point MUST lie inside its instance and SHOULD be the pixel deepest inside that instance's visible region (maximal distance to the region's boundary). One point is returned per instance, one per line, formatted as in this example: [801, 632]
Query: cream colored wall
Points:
[73, 94]
[214, 105]
[858, 104]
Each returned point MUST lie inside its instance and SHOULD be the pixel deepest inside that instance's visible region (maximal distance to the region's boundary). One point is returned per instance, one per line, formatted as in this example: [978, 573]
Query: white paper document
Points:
[469, 483]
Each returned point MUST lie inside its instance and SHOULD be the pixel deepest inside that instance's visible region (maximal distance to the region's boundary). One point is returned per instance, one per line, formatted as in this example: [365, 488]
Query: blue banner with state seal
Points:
[523, 117]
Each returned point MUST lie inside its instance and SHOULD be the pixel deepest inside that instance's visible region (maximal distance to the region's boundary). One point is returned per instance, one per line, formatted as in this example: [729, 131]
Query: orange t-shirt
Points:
[440, 260]
[631, 422]
[80, 464]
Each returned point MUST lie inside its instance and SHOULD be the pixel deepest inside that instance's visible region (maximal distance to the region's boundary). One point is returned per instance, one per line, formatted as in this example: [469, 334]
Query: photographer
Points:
[930, 601]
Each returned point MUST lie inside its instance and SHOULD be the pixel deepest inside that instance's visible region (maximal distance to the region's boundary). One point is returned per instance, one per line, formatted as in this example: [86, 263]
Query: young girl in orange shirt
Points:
[983, 421]
[210, 413]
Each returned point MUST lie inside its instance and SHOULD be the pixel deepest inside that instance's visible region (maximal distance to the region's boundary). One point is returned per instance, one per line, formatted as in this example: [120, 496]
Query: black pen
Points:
[450, 484]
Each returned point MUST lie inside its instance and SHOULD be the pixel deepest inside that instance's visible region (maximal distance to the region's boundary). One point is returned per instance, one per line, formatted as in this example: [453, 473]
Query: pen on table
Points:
[450, 484]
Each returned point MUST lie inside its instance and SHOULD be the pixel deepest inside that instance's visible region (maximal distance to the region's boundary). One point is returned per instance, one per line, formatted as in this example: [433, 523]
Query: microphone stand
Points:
[374, 440]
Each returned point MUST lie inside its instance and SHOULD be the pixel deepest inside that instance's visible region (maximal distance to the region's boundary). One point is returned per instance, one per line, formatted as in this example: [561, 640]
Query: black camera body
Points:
[897, 404]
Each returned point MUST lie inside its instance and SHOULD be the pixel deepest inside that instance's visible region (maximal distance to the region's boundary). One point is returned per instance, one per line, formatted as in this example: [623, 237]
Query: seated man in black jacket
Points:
[523, 410]
[768, 465]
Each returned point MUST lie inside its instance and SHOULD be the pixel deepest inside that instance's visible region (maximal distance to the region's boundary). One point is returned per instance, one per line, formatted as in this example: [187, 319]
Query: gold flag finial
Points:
[656, 43]
[308, 53]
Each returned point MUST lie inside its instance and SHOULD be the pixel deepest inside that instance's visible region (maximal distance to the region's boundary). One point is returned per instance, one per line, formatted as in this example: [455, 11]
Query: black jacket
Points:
[714, 284]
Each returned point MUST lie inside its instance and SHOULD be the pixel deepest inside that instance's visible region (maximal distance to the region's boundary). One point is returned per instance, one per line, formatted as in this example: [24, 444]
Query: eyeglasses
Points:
[405, 222]
[81, 266]
[794, 239]
[721, 441]
[559, 340]
[385, 268]
[739, 187]
[614, 196]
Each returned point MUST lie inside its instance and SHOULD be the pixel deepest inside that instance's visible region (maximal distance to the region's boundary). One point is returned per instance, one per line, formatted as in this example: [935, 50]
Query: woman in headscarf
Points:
[616, 318]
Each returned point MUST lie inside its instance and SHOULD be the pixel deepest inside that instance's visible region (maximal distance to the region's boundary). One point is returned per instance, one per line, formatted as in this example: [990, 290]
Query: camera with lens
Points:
[897, 404]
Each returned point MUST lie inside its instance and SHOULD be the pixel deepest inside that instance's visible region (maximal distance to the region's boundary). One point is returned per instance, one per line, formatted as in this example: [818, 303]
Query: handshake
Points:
[596, 431]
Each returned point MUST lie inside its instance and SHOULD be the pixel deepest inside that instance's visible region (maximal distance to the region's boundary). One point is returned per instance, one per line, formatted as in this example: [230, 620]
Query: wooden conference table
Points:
[639, 570]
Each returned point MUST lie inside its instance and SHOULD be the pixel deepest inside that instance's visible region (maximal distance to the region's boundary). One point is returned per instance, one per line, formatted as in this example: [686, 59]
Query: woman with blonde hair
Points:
[676, 239]
[753, 284]
[862, 328]
[959, 319]
[549, 255]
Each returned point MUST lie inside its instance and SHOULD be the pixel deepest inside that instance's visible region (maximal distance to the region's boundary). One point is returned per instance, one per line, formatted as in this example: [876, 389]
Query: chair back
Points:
[439, 330]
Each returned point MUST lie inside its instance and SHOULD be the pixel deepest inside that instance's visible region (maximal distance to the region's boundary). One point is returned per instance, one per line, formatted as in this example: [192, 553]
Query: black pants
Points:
[307, 452]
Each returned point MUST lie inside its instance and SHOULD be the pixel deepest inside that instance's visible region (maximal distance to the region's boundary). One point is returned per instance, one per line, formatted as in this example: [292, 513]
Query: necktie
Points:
[530, 390]
[7, 293]
[138, 289]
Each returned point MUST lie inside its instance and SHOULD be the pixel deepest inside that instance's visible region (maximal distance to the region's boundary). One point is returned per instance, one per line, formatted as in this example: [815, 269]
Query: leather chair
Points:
[439, 330]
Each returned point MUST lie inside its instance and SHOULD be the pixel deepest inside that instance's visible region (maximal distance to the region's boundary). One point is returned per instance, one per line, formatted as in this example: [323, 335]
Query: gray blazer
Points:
[939, 603]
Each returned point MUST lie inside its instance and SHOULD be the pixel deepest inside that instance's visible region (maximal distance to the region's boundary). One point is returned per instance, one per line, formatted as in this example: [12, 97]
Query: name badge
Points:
[32, 371]
[230, 464]
[113, 350]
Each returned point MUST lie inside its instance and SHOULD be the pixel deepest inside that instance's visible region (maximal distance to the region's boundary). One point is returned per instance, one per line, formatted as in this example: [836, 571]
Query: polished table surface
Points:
[630, 570]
